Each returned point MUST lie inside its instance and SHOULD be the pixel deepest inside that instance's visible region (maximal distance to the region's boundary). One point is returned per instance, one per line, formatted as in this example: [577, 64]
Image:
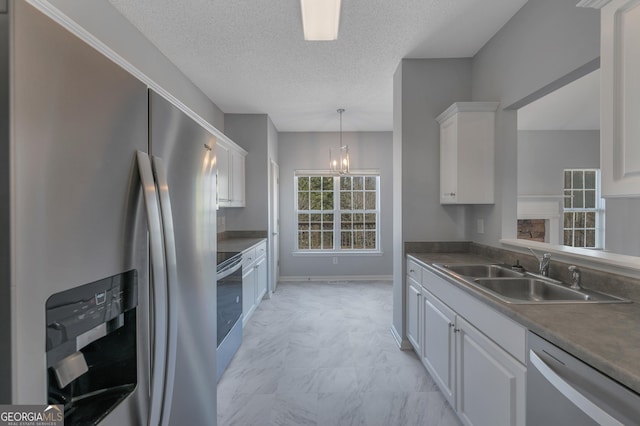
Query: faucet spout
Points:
[543, 262]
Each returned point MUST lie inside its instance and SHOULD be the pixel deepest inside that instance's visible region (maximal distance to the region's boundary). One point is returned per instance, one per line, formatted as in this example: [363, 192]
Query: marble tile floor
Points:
[321, 353]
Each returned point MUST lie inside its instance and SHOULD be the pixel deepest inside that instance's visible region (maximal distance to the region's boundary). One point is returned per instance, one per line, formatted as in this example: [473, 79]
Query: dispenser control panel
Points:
[81, 315]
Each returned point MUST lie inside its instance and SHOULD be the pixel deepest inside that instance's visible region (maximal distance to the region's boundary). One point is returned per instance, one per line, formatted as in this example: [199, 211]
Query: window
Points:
[583, 208]
[337, 213]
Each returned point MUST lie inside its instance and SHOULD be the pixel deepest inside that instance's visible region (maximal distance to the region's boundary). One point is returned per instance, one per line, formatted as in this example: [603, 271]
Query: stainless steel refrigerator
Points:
[78, 136]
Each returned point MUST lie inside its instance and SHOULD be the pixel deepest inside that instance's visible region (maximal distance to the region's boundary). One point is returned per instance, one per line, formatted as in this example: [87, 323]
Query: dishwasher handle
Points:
[571, 393]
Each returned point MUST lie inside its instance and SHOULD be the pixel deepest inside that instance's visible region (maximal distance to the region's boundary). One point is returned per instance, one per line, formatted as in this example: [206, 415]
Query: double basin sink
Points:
[513, 286]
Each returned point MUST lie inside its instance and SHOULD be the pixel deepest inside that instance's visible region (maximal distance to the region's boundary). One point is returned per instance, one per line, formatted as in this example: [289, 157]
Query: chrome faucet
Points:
[543, 262]
[575, 277]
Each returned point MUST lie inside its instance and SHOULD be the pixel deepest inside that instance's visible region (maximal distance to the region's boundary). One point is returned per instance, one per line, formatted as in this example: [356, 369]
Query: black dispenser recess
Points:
[91, 347]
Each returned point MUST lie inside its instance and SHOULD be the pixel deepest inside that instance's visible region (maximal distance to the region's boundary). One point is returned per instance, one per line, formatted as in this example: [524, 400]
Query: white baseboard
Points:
[335, 278]
[403, 344]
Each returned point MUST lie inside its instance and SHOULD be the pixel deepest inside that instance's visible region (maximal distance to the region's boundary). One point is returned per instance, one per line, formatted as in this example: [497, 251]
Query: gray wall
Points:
[429, 86]
[251, 132]
[544, 42]
[100, 19]
[310, 151]
[622, 226]
[544, 154]
[423, 88]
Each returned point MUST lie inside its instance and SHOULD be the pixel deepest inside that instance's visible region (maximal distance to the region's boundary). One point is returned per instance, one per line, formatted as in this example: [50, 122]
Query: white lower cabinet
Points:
[254, 279]
[490, 383]
[261, 278]
[248, 293]
[474, 353]
[414, 317]
[439, 345]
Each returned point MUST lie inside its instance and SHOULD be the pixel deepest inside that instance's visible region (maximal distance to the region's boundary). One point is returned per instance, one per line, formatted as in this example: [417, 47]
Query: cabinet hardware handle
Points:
[456, 330]
[411, 270]
[451, 324]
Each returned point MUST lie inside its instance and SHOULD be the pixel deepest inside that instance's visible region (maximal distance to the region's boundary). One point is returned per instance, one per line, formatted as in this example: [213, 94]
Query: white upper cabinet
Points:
[237, 178]
[231, 179]
[620, 98]
[467, 139]
[222, 158]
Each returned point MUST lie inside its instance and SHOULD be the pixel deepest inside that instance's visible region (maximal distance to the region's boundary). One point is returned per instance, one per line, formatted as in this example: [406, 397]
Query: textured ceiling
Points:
[249, 56]
[575, 106]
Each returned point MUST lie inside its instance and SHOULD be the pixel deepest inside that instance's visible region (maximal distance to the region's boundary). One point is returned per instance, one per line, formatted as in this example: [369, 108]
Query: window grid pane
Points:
[349, 213]
[581, 208]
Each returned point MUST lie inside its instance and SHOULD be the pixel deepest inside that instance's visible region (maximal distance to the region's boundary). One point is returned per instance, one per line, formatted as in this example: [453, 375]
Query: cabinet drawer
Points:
[414, 270]
[261, 250]
[248, 258]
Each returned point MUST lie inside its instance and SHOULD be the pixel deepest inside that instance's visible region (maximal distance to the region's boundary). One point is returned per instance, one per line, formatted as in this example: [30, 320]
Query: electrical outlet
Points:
[480, 226]
[335, 260]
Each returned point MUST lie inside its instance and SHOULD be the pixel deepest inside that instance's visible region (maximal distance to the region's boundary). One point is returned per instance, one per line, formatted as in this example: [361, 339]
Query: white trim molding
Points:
[335, 278]
[595, 4]
[403, 344]
[467, 107]
[363, 172]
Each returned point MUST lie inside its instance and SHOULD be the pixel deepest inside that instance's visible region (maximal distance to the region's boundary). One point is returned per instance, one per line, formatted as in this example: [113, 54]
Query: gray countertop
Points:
[238, 244]
[605, 336]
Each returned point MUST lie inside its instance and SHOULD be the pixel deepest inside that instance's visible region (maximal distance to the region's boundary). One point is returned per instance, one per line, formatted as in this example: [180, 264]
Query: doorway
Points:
[274, 269]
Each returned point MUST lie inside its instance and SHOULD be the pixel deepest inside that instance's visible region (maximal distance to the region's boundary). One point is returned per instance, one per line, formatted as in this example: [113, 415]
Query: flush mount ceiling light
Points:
[320, 19]
[339, 157]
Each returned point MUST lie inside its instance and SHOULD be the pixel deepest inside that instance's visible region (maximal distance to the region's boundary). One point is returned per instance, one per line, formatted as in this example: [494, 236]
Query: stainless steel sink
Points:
[535, 290]
[482, 270]
[519, 287]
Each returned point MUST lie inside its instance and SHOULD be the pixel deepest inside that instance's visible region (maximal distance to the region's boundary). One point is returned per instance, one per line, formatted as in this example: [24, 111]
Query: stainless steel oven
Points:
[562, 390]
[229, 301]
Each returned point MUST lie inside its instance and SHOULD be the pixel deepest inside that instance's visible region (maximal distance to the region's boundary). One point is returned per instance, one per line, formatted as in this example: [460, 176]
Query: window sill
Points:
[329, 253]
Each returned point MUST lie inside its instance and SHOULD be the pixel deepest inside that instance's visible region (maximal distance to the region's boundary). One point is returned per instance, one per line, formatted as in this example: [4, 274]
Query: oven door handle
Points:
[571, 393]
[230, 269]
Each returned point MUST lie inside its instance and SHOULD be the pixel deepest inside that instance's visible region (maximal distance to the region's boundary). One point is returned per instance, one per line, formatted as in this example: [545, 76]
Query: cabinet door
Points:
[237, 179]
[448, 161]
[222, 162]
[414, 306]
[490, 384]
[620, 98]
[248, 293]
[438, 344]
[261, 279]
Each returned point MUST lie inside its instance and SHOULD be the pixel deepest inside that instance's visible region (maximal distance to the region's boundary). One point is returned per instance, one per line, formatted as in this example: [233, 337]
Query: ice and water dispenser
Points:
[91, 347]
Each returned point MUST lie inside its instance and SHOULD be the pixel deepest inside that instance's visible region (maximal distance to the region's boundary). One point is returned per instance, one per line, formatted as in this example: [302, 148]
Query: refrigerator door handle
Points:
[160, 175]
[157, 290]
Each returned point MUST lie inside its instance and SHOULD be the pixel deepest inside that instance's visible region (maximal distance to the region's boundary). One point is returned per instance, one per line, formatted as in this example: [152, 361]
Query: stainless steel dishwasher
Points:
[562, 390]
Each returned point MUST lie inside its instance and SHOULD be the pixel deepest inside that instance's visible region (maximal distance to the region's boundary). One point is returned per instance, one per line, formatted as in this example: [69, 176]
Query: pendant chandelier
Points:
[339, 157]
